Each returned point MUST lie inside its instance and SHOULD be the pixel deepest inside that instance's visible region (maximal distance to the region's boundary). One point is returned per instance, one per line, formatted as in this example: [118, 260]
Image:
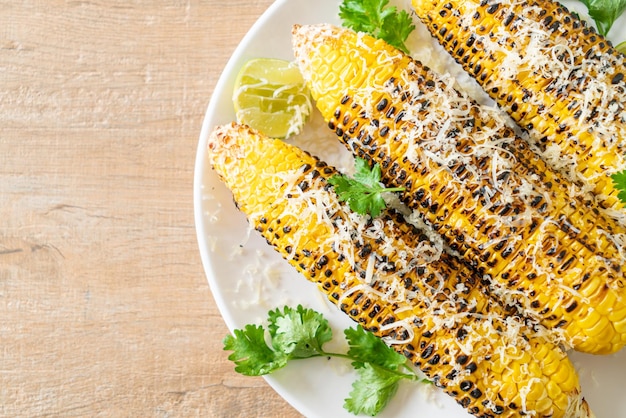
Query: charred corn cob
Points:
[389, 278]
[558, 79]
[474, 181]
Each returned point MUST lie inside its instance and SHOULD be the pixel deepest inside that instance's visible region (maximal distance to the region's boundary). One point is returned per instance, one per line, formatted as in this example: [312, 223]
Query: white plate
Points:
[247, 278]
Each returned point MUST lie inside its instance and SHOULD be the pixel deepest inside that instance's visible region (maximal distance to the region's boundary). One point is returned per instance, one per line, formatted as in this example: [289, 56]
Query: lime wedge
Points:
[621, 47]
[271, 96]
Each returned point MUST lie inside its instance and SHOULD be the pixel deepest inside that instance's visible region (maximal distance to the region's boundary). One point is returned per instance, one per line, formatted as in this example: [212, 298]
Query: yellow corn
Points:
[558, 79]
[385, 275]
[481, 187]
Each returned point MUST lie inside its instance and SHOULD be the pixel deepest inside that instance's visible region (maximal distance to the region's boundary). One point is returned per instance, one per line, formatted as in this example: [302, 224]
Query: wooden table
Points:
[105, 307]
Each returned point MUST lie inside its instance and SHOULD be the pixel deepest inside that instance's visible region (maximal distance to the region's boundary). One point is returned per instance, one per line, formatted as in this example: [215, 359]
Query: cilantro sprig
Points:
[619, 182]
[364, 193]
[301, 333]
[604, 12]
[377, 19]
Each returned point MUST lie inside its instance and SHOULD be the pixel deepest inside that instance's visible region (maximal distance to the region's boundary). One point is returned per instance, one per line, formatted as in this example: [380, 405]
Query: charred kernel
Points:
[322, 262]
[286, 229]
[451, 375]
[507, 252]
[345, 99]
[465, 402]
[509, 19]
[476, 393]
[384, 131]
[568, 263]
[493, 8]
[382, 105]
[472, 367]
[617, 78]
[561, 323]
[548, 20]
[571, 307]
[466, 385]
[461, 333]
[328, 273]
[388, 320]
[365, 251]
[428, 351]
[535, 201]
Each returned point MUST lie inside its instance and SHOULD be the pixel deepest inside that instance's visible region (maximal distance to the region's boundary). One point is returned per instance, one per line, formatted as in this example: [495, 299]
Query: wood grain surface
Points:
[105, 307]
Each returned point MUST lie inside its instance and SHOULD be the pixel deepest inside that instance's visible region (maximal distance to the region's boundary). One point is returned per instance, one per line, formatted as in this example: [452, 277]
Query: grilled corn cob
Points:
[558, 79]
[465, 172]
[389, 278]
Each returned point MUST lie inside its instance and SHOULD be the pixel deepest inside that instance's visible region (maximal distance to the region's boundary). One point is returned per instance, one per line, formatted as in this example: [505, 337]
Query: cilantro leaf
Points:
[619, 182]
[300, 332]
[251, 354]
[378, 20]
[363, 192]
[604, 12]
[372, 390]
[365, 348]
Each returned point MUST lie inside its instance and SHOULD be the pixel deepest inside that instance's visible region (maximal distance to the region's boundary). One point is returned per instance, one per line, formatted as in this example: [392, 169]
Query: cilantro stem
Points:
[411, 375]
[394, 189]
